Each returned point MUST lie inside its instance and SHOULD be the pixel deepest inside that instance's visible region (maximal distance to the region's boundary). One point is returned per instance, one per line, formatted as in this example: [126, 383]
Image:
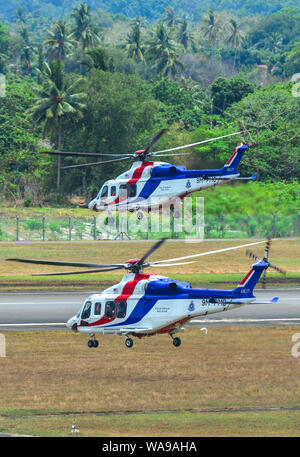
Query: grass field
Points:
[228, 267]
[55, 375]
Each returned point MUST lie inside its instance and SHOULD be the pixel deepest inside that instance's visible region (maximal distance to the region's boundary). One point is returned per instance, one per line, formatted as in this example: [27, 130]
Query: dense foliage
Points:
[88, 77]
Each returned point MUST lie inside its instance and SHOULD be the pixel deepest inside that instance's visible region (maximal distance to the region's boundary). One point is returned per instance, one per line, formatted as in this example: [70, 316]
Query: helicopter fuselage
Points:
[145, 304]
[152, 184]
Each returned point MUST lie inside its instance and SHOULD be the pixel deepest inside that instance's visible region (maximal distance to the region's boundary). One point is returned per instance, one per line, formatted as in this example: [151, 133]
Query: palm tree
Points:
[275, 41]
[235, 38]
[20, 16]
[185, 37]
[134, 47]
[164, 53]
[210, 27]
[27, 49]
[170, 17]
[85, 32]
[59, 41]
[98, 58]
[57, 100]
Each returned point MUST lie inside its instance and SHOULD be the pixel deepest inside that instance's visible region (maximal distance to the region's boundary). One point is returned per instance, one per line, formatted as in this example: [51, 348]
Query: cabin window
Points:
[97, 311]
[121, 309]
[110, 309]
[113, 191]
[132, 190]
[104, 191]
[123, 191]
[86, 310]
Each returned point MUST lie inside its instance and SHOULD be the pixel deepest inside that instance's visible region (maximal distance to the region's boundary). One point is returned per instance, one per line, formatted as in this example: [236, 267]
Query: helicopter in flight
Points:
[149, 304]
[150, 184]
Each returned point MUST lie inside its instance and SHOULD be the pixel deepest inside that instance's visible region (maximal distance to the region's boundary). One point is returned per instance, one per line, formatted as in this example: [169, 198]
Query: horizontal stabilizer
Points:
[266, 302]
[248, 178]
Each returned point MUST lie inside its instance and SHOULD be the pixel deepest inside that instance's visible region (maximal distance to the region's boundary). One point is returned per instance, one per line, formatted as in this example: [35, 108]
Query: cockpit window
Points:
[86, 310]
[104, 191]
[110, 309]
[97, 310]
[113, 191]
[121, 309]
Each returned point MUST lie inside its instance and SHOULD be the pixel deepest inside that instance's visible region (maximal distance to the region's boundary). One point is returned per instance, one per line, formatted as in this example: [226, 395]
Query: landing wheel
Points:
[176, 342]
[93, 343]
[140, 215]
[129, 342]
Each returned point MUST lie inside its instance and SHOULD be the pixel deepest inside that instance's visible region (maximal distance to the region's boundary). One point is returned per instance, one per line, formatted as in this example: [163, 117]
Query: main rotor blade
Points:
[151, 250]
[155, 139]
[67, 264]
[97, 270]
[168, 264]
[79, 154]
[209, 252]
[164, 155]
[195, 144]
[92, 164]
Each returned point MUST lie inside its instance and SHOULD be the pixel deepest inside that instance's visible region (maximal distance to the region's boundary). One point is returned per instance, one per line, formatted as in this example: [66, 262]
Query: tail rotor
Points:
[266, 259]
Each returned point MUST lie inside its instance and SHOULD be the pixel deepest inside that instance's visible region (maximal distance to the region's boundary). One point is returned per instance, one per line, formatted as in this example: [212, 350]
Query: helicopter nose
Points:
[72, 323]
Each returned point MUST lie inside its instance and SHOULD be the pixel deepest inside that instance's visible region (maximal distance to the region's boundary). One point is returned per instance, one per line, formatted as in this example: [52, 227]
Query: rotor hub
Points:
[134, 266]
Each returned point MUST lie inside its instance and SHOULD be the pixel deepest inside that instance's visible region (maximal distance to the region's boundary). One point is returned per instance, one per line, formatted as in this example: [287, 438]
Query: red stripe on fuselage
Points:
[126, 293]
[130, 286]
[137, 174]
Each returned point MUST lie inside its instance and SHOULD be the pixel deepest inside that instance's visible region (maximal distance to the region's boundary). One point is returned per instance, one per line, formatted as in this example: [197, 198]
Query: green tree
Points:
[59, 41]
[271, 115]
[120, 117]
[170, 17]
[163, 52]
[85, 32]
[135, 49]
[98, 58]
[57, 100]
[210, 27]
[27, 50]
[18, 139]
[235, 37]
[185, 36]
[226, 91]
[4, 47]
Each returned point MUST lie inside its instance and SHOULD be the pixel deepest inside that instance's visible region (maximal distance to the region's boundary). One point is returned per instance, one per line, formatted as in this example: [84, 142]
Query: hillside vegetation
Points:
[105, 77]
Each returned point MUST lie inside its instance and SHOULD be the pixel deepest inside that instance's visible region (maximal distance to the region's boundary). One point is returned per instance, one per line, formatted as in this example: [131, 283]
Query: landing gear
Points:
[176, 341]
[93, 343]
[128, 342]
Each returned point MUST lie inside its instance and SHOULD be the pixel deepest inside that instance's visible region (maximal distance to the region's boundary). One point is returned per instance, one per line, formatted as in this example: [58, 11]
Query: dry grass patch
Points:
[230, 367]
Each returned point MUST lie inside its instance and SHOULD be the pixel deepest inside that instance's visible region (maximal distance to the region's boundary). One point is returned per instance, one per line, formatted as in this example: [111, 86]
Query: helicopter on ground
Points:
[150, 185]
[148, 304]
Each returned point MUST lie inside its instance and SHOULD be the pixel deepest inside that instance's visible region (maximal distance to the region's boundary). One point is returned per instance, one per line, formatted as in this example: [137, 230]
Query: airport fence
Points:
[71, 228]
